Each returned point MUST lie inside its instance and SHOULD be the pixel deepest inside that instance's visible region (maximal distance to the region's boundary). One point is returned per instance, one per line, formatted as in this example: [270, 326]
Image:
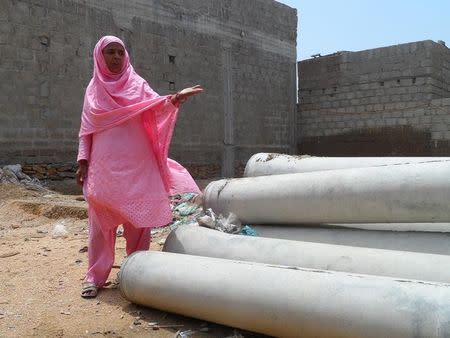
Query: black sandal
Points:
[89, 290]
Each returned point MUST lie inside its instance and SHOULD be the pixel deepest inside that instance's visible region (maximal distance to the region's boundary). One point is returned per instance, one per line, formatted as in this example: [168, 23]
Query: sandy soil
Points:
[40, 277]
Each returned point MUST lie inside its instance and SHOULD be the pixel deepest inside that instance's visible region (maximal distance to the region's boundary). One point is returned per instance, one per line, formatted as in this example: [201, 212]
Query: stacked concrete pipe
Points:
[263, 164]
[286, 301]
[400, 193]
[414, 241]
[221, 278]
[199, 241]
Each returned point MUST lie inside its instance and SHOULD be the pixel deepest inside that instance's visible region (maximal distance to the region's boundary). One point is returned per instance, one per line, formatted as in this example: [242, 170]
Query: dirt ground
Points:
[40, 276]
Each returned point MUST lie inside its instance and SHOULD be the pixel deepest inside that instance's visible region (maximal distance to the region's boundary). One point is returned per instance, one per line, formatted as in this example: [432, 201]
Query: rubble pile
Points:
[13, 174]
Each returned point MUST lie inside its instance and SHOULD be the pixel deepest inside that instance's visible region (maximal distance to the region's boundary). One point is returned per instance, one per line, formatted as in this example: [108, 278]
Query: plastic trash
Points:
[231, 224]
[247, 230]
[16, 169]
[59, 230]
[208, 219]
[176, 224]
[188, 196]
[186, 208]
[7, 176]
[184, 334]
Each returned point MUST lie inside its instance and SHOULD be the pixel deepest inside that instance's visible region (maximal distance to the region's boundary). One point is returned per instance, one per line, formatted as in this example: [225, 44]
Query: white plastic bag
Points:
[59, 230]
[231, 224]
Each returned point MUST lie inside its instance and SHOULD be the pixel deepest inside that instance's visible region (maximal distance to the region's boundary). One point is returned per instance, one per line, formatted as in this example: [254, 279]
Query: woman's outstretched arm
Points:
[183, 95]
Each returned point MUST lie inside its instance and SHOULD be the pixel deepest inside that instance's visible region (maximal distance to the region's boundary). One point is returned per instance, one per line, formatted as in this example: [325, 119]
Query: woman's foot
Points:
[89, 290]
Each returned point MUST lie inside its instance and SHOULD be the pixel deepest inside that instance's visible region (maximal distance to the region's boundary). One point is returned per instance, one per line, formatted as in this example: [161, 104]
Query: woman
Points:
[125, 134]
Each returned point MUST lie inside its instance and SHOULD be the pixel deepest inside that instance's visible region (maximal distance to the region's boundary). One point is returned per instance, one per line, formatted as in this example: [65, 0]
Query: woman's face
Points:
[114, 55]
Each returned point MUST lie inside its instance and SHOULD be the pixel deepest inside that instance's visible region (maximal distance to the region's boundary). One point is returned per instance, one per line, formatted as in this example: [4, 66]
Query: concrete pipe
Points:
[426, 242]
[199, 241]
[422, 227]
[402, 193]
[285, 301]
[262, 164]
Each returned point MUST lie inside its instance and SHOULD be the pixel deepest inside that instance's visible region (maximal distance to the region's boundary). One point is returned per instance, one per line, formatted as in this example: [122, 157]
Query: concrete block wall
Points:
[376, 102]
[242, 52]
[418, 128]
[438, 124]
[440, 81]
[375, 78]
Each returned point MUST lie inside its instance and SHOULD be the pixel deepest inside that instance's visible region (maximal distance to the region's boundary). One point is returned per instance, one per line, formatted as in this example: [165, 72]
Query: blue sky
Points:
[327, 26]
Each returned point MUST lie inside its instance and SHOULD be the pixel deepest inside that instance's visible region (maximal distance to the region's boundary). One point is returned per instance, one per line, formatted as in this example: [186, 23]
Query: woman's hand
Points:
[81, 172]
[183, 95]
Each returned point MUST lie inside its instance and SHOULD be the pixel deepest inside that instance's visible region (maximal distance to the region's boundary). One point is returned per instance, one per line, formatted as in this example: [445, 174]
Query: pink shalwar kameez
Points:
[125, 134]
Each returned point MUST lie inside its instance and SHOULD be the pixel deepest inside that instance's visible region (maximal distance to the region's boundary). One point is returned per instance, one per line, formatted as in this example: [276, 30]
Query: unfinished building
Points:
[385, 101]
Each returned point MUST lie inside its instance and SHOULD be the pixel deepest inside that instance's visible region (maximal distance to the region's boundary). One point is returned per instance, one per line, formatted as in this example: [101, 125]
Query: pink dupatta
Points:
[112, 99]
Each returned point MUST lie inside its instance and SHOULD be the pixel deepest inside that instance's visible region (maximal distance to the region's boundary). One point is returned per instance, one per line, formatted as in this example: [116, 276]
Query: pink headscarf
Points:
[123, 95]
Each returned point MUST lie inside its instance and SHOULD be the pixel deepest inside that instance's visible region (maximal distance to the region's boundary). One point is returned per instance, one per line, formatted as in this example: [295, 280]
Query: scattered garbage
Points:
[231, 224]
[184, 334]
[156, 326]
[59, 230]
[186, 208]
[247, 230]
[15, 170]
[188, 196]
[155, 231]
[208, 219]
[185, 204]
[178, 223]
[13, 174]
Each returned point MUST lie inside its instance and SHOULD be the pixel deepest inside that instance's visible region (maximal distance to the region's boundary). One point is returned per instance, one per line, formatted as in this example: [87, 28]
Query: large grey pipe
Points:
[426, 242]
[285, 301]
[262, 164]
[199, 241]
[421, 227]
[401, 193]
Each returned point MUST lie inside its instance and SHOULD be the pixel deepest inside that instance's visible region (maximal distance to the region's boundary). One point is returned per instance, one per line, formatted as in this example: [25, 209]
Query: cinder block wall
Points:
[376, 102]
[242, 52]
